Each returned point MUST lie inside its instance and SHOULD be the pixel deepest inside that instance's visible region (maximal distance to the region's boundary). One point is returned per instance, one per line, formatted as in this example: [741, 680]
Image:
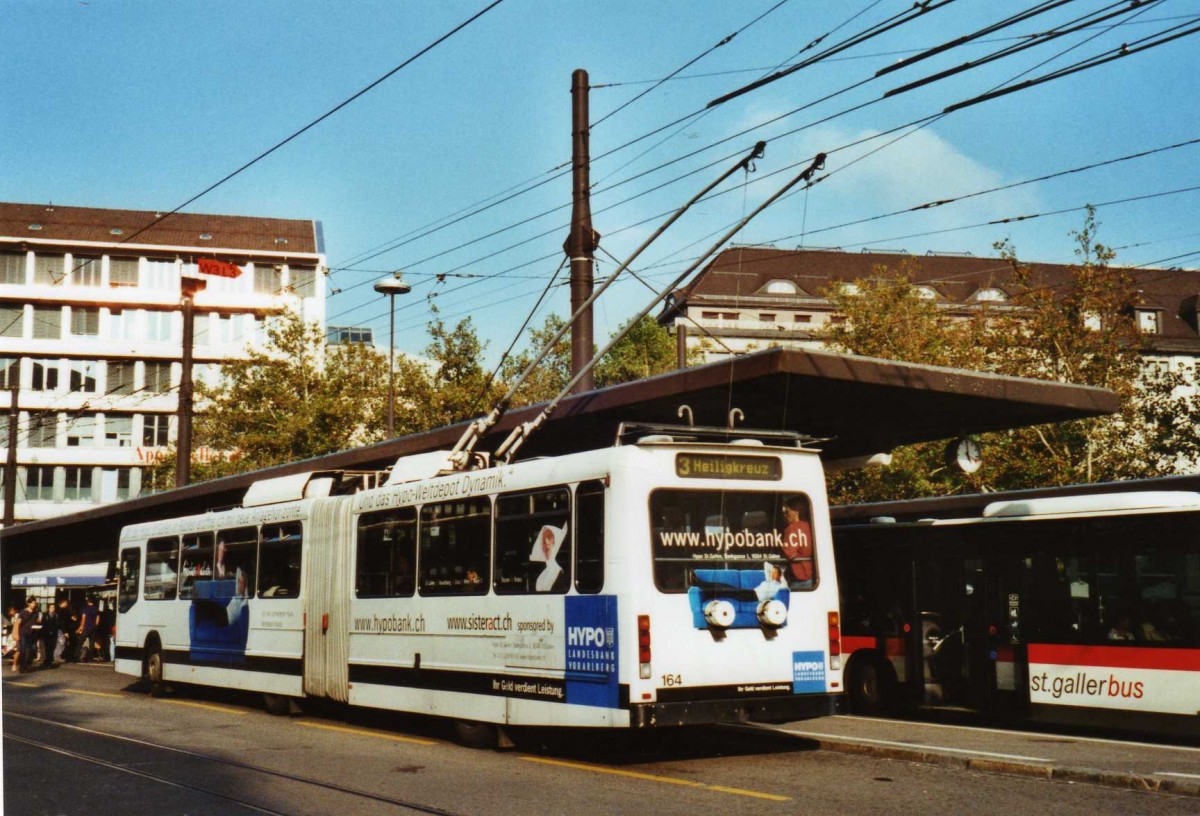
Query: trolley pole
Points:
[581, 242]
[10, 463]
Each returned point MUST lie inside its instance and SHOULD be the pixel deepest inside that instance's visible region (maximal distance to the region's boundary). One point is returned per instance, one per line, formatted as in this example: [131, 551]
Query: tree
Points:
[646, 351]
[293, 399]
[1081, 331]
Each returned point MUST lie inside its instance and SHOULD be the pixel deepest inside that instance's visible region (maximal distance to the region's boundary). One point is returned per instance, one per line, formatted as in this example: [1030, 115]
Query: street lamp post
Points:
[391, 287]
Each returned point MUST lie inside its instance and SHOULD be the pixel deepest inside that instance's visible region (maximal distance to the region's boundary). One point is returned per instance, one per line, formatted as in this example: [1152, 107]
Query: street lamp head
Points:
[392, 286]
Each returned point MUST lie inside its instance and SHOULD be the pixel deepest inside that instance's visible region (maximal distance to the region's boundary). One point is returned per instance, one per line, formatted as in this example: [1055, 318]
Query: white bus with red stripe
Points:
[1079, 609]
[674, 578]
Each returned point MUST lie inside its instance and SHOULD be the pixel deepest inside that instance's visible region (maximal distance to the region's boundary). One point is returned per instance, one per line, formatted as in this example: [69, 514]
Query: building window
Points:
[782, 287]
[118, 431]
[158, 378]
[990, 295]
[156, 430]
[120, 324]
[303, 280]
[39, 483]
[83, 376]
[766, 317]
[81, 431]
[47, 322]
[44, 375]
[120, 377]
[10, 372]
[1148, 321]
[43, 430]
[12, 267]
[12, 321]
[85, 271]
[78, 484]
[926, 292]
[48, 269]
[162, 275]
[340, 335]
[85, 321]
[122, 272]
[158, 326]
[801, 318]
[268, 279]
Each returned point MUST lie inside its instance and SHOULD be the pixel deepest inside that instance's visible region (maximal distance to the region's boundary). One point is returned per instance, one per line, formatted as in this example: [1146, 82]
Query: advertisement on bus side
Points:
[1165, 681]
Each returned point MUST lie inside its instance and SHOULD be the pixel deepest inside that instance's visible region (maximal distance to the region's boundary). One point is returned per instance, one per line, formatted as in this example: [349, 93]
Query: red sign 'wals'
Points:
[223, 269]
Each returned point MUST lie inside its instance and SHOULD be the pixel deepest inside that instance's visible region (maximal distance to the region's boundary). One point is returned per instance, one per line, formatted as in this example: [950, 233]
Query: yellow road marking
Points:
[756, 794]
[207, 706]
[364, 733]
[666, 780]
[93, 693]
[19, 683]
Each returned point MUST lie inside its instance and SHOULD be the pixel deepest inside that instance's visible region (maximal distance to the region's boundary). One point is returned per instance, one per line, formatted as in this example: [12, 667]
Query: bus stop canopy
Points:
[859, 405]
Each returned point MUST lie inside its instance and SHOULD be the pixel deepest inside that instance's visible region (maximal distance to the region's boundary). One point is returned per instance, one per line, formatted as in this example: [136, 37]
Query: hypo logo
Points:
[587, 636]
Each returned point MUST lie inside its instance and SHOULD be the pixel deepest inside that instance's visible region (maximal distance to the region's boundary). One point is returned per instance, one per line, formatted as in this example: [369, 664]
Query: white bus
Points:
[664, 582]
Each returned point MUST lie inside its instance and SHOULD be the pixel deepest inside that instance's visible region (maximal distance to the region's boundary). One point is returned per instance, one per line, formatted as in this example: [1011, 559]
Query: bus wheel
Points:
[868, 686]
[154, 672]
[277, 705]
[477, 734]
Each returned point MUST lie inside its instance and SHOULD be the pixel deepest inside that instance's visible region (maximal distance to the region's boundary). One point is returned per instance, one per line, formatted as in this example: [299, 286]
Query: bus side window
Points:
[455, 555]
[279, 558]
[589, 537]
[162, 568]
[130, 575]
[387, 550]
[237, 551]
[197, 562]
[533, 542]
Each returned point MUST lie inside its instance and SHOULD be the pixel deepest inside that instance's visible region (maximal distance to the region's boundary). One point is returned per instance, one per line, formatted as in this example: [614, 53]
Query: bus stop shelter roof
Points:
[859, 405]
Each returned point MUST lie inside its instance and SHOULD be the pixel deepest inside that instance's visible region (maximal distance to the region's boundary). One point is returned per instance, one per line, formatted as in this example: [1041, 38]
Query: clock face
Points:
[968, 456]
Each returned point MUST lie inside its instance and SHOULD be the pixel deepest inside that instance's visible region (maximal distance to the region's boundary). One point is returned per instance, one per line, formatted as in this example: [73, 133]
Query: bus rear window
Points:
[767, 534]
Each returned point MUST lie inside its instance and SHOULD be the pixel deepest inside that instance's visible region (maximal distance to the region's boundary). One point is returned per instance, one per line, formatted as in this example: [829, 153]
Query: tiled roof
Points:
[744, 271]
[228, 232]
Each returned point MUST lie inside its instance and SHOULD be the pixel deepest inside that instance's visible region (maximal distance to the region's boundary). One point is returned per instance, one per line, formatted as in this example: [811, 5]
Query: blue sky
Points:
[142, 105]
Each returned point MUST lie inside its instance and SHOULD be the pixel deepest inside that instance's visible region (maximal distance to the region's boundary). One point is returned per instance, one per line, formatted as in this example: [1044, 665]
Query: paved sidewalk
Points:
[1046, 755]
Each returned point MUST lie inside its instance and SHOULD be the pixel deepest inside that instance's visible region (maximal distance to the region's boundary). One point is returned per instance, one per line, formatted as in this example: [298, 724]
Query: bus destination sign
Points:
[722, 466]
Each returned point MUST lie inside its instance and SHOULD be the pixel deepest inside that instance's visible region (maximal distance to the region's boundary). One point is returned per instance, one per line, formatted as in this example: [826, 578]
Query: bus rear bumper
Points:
[707, 712]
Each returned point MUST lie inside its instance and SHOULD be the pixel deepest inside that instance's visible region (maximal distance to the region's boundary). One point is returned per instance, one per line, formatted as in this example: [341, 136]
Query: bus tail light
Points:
[835, 641]
[643, 625]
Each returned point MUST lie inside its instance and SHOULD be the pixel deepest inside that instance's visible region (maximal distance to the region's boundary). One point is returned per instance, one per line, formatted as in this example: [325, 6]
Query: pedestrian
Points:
[68, 622]
[28, 638]
[12, 643]
[89, 622]
[49, 635]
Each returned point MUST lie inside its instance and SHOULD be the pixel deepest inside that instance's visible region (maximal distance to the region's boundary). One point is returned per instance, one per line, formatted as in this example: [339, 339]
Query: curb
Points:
[1093, 776]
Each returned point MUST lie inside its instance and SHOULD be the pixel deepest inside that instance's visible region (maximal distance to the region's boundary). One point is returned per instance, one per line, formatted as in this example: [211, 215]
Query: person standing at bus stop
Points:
[49, 635]
[89, 620]
[28, 637]
[797, 541]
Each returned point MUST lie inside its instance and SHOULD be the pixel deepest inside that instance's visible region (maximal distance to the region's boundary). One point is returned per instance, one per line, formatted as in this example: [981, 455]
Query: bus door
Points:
[947, 603]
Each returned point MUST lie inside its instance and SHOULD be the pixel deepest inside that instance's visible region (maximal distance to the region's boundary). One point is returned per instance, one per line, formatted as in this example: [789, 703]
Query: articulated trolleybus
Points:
[679, 577]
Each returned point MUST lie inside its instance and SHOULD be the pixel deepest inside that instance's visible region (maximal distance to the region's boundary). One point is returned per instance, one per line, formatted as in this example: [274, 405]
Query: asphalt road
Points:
[83, 740]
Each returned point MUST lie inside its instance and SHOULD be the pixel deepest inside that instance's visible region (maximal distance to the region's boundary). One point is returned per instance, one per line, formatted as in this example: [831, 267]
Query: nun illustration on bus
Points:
[546, 544]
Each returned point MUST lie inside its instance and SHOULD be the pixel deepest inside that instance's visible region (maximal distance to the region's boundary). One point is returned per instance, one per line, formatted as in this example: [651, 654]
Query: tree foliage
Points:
[1081, 331]
[296, 398]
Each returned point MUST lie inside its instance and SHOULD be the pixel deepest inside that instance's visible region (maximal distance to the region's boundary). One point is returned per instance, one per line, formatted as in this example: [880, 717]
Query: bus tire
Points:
[869, 685]
[277, 705]
[474, 734]
[154, 671]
